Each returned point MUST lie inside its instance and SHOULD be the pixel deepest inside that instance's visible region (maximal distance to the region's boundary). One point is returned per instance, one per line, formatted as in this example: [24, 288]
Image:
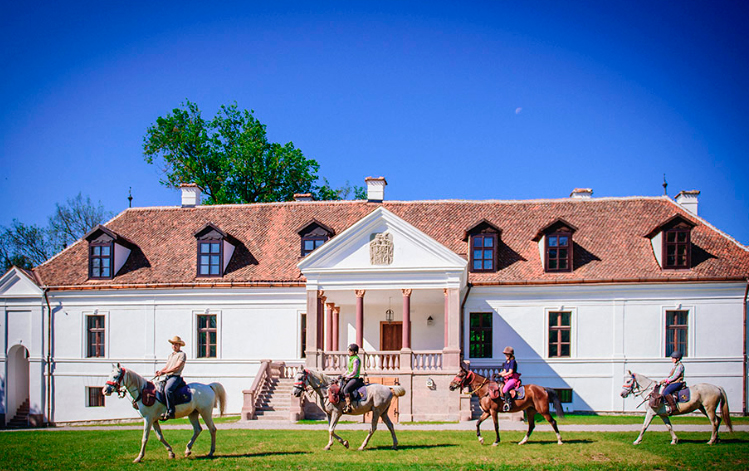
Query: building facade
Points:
[583, 288]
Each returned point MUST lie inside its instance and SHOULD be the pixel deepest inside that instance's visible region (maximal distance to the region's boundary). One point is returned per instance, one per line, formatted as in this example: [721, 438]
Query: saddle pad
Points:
[521, 393]
[683, 395]
[362, 394]
[181, 396]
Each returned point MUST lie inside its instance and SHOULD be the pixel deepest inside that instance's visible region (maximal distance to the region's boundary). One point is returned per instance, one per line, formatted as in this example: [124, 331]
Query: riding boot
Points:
[508, 402]
[670, 404]
[347, 408]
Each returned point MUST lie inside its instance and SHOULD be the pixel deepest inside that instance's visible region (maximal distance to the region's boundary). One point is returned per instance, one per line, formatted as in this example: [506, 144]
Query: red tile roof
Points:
[610, 242]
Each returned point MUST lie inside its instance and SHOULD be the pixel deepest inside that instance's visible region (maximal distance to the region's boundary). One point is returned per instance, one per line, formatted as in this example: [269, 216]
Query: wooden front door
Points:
[391, 336]
[393, 411]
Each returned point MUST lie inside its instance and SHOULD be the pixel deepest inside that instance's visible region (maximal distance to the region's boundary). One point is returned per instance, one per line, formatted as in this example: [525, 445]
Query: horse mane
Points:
[643, 380]
[324, 379]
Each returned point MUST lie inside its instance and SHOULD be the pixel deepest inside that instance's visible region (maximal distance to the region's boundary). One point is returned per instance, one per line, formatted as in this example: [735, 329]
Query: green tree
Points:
[230, 159]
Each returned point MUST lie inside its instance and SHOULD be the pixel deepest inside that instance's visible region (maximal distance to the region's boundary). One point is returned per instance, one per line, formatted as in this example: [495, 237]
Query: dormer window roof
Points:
[107, 253]
[556, 246]
[672, 243]
[215, 248]
[483, 242]
[313, 234]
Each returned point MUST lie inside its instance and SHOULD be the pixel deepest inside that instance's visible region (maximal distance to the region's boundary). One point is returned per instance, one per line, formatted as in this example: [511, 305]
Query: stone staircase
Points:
[274, 401]
[21, 419]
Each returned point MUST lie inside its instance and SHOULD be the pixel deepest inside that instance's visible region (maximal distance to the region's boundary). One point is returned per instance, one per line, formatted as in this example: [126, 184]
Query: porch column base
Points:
[451, 359]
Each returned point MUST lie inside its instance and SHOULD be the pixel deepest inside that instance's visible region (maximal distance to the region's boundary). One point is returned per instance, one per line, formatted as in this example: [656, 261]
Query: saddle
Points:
[155, 392]
[656, 398]
[335, 394]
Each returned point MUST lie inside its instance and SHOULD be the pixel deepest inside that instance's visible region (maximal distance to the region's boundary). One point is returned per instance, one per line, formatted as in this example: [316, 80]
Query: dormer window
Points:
[107, 253]
[556, 246]
[215, 249]
[484, 246]
[313, 234]
[672, 243]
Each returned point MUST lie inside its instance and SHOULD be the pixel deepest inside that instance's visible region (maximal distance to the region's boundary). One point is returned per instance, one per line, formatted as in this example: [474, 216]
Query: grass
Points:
[285, 449]
[595, 419]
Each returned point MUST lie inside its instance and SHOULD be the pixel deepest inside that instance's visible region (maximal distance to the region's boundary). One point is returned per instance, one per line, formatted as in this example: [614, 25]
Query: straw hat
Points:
[177, 340]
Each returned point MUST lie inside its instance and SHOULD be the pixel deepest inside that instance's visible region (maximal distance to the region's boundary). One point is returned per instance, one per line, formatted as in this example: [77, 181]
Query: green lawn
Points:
[285, 449]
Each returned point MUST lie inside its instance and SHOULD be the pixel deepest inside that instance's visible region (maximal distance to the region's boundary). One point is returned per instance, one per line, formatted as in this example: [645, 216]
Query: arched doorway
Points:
[17, 384]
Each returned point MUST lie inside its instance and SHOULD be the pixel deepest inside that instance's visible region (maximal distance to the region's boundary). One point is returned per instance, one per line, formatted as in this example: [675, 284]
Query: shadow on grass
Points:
[411, 447]
[725, 441]
[251, 455]
[566, 442]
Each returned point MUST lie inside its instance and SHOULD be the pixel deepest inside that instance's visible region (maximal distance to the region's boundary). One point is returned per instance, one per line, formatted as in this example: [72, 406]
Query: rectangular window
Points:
[482, 252]
[94, 397]
[100, 258]
[480, 345]
[209, 259]
[676, 332]
[95, 334]
[676, 248]
[558, 252]
[311, 243]
[304, 335]
[207, 335]
[560, 328]
[565, 395]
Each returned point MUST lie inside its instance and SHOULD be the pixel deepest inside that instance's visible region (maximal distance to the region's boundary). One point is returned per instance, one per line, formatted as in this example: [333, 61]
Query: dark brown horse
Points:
[536, 400]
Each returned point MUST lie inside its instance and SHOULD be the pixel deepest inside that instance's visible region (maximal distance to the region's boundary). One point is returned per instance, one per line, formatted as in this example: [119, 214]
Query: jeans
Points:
[671, 388]
[169, 389]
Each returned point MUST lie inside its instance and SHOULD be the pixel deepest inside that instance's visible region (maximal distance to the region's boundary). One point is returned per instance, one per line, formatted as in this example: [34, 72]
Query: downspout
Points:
[49, 358]
[462, 320]
[743, 374]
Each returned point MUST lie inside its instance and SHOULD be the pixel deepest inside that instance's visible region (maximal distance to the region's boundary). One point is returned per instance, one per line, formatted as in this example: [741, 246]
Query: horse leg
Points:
[483, 417]
[157, 429]
[714, 421]
[372, 428]
[208, 419]
[553, 423]
[332, 422]
[667, 421]
[196, 429]
[390, 427]
[146, 430]
[493, 413]
[531, 413]
[648, 418]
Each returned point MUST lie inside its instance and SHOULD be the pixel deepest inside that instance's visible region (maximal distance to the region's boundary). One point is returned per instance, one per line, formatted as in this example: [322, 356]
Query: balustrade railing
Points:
[427, 360]
[384, 361]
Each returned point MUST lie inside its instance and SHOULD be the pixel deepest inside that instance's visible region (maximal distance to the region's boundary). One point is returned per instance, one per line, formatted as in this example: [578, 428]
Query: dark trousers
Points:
[352, 385]
[172, 382]
[672, 388]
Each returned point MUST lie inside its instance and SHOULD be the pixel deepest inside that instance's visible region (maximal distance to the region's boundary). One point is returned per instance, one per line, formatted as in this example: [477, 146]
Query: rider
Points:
[510, 375]
[675, 381]
[351, 378]
[173, 370]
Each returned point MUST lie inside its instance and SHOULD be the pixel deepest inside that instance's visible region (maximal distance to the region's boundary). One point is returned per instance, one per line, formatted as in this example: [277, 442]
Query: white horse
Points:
[378, 401]
[703, 396]
[204, 399]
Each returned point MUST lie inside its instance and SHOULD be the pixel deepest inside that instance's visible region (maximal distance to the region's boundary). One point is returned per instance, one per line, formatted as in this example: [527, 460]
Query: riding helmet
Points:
[354, 348]
[676, 354]
[509, 350]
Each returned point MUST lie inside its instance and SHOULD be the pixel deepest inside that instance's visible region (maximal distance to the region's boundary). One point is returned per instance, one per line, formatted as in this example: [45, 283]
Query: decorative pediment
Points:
[18, 283]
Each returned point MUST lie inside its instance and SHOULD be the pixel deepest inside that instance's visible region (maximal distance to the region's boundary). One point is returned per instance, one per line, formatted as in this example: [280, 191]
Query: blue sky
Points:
[447, 100]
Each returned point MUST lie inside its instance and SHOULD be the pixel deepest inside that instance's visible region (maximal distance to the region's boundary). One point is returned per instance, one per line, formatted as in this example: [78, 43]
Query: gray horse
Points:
[378, 401]
[703, 396]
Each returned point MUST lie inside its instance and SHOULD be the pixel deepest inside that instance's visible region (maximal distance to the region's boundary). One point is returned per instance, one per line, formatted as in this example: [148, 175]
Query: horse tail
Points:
[554, 398]
[220, 400]
[724, 409]
[398, 391]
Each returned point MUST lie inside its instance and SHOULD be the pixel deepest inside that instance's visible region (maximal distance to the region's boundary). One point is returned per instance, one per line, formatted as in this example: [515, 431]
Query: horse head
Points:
[462, 379]
[114, 382]
[301, 381]
[630, 386]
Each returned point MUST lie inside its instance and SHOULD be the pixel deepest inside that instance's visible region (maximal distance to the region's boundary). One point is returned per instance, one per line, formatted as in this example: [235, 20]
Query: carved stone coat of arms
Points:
[381, 249]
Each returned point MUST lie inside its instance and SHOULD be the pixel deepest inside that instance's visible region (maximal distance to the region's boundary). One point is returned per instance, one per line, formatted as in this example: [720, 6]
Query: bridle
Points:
[304, 382]
[466, 381]
[634, 389]
[116, 384]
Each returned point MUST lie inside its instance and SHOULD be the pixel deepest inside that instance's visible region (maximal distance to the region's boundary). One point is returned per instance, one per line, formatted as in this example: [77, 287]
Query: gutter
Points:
[462, 320]
[743, 374]
[48, 391]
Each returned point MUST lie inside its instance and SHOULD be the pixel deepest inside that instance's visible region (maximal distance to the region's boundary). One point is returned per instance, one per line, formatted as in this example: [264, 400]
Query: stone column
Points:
[329, 329]
[451, 352]
[312, 325]
[406, 318]
[360, 318]
[336, 321]
[320, 319]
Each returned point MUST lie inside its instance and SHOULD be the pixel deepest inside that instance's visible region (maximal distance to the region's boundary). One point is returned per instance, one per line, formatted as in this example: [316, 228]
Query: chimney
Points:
[190, 195]
[375, 189]
[688, 200]
[302, 196]
[581, 193]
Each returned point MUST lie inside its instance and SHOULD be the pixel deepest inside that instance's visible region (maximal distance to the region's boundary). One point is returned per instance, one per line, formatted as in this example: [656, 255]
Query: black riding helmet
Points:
[676, 354]
[354, 348]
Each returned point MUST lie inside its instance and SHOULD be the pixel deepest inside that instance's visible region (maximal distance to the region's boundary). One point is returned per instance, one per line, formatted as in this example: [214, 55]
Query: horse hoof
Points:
[137, 460]
[171, 455]
[481, 440]
[395, 447]
[188, 453]
[361, 448]
[560, 443]
[345, 443]
[495, 444]
[635, 442]
[327, 448]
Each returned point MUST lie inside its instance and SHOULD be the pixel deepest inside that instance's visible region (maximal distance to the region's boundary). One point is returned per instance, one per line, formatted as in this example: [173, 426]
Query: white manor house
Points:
[583, 288]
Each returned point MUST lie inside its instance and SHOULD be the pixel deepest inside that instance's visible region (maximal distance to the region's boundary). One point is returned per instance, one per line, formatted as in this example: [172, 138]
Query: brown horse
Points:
[536, 400]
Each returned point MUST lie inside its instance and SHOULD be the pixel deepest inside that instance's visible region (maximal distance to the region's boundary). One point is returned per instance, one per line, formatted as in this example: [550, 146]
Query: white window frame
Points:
[573, 331]
[84, 328]
[691, 329]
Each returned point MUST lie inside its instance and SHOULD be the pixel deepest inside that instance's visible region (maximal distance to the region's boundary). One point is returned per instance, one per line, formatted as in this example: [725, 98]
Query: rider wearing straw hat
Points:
[510, 375]
[173, 371]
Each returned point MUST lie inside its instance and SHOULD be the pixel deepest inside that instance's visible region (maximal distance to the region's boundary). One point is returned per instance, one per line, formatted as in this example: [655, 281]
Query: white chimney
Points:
[581, 193]
[302, 196]
[375, 189]
[190, 195]
[688, 200]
